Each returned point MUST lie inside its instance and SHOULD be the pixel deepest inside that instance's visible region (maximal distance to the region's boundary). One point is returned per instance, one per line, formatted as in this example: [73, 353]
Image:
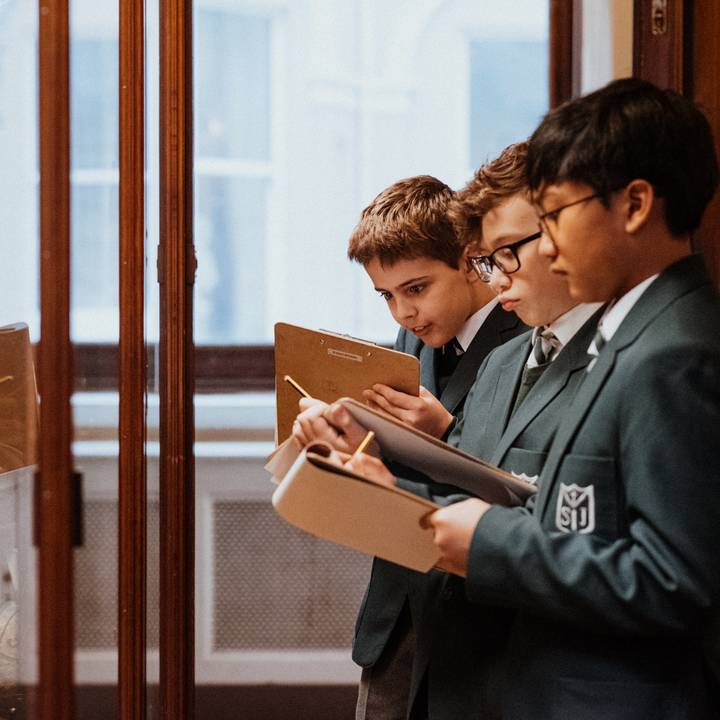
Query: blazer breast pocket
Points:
[525, 464]
[593, 700]
[585, 497]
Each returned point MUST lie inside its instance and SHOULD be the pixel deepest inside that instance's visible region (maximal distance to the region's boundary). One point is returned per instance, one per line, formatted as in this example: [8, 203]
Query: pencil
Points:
[365, 442]
[299, 388]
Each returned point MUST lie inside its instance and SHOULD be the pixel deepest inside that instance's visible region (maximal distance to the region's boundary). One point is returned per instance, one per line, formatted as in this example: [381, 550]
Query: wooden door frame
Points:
[55, 376]
[681, 51]
[176, 270]
[132, 373]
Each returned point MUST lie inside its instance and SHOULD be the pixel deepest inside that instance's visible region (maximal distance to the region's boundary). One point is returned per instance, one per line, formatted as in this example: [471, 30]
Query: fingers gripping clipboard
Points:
[329, 366]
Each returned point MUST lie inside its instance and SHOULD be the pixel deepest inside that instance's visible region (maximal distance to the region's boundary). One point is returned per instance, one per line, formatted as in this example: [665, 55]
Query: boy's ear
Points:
[470, 274]
[639, 204]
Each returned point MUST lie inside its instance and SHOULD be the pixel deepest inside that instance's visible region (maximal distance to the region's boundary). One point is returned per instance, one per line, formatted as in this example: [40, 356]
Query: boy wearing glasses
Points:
[510, 416]
[614, 571]
[450, 320]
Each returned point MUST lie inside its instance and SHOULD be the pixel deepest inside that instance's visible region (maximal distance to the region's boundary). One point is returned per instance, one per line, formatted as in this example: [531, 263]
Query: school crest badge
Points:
[575, 510]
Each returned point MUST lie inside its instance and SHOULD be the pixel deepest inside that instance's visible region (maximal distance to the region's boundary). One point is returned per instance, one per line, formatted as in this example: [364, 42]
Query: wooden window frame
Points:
[250, 368]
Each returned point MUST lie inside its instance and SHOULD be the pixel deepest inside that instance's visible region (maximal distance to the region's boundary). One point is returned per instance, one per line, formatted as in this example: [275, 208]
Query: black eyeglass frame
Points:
[483, 264]
[553, 214]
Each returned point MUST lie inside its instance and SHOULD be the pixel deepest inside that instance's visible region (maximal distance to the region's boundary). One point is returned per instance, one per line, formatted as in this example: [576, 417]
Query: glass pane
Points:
[304, 111]
[19, 325]
[94, 319]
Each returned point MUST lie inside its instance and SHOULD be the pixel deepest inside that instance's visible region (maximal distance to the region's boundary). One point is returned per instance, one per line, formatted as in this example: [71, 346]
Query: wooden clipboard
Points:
[19, 416]
[329, 366]
[335, 504]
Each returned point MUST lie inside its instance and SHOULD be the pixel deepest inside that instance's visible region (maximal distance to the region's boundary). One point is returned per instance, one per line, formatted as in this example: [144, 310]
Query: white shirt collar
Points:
[565, 327]
[617, 311]
[474, 323]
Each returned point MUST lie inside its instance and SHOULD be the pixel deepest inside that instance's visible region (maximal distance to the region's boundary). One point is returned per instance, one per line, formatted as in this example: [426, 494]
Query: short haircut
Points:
[406, 221]
[492, 185]
[629, 130]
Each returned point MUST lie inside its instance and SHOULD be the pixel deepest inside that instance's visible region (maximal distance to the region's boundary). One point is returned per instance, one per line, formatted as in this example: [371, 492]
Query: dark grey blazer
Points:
[387, 591]
[460, 649]
[616, 573]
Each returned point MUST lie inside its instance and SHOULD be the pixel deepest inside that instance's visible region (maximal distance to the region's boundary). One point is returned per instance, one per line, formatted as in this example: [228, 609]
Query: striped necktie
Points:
[545, 347]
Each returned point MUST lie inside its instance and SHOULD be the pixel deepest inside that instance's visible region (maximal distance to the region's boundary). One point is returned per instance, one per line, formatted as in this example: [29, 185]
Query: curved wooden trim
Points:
[176, 263]
[56, 640]
[659, 56]
[132, 479]
[562, 66]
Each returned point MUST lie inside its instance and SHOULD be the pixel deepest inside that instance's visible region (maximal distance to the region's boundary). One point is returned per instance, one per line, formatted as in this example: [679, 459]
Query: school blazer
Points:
[461, 649]
[616, 572]
[387, 590]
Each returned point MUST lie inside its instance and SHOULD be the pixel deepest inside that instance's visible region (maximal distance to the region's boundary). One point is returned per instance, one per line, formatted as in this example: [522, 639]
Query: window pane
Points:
[305, 111]
[232, 85]
[94, 69]
[230, 222]
[508, 94]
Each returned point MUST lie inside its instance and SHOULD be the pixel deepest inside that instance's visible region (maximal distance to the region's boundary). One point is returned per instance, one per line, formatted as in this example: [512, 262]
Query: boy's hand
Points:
[424, 413]
[310, 425]
[453, 528]
[371, 468]
[329, 423]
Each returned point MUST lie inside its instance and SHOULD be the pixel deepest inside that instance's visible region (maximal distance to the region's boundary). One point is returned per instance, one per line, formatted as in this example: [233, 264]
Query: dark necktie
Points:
[449, 358]
[545, 346]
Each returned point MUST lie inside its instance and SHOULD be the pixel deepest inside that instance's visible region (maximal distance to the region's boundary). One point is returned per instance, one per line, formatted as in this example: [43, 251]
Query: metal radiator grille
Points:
[278, 587]
[96, 581]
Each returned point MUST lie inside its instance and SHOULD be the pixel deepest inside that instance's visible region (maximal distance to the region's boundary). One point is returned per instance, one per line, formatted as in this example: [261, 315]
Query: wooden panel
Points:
[562, 66]
[176, 262]
[704, 69]
[55, 701]
[658, 42]
[132, 482]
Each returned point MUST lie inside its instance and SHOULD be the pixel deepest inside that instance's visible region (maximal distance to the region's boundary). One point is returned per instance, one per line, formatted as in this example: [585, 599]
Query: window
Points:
[304, 111]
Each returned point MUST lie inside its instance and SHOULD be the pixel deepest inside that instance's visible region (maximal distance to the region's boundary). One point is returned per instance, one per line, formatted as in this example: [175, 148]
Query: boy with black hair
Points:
[450, 320]
[614, 571]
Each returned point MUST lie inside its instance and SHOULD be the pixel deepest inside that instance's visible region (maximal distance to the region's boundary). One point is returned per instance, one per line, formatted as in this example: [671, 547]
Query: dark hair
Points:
[405, 221]
[628, 130]
[491, 185]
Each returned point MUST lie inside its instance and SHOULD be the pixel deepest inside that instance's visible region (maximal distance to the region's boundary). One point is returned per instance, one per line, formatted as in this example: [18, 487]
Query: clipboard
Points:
[441, 462]
[19, 414]
[329, 366]
[335, 504]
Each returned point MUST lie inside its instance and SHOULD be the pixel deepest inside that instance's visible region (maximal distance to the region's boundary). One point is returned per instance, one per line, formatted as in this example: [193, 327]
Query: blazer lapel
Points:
[572, 359]
[497, 329]
[502, 402]
[429, 360]
[677, 280]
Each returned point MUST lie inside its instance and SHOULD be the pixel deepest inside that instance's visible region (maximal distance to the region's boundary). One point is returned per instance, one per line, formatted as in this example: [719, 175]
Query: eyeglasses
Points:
[553, 215]
[504, 258]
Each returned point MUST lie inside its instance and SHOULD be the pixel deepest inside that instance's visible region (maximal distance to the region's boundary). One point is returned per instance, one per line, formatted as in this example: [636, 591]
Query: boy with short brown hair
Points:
[450, 321]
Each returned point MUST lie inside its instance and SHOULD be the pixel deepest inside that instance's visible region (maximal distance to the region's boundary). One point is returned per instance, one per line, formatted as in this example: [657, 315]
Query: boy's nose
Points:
[499, 281]
[405, 309]
[547, 246]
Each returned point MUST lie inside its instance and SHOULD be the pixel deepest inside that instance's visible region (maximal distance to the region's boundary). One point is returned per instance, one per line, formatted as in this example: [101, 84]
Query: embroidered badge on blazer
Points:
[530, 479]
[575, 510]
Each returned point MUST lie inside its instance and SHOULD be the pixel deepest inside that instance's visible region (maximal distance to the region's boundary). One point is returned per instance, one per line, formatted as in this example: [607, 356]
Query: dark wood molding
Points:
[55, 627]
[218, 368]
[702, 67]
[562, 65]
[176, 269]
[659, 42]
[132, 479]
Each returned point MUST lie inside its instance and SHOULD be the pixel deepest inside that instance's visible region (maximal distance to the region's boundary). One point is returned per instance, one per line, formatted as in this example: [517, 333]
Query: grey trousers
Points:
[385, 687]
